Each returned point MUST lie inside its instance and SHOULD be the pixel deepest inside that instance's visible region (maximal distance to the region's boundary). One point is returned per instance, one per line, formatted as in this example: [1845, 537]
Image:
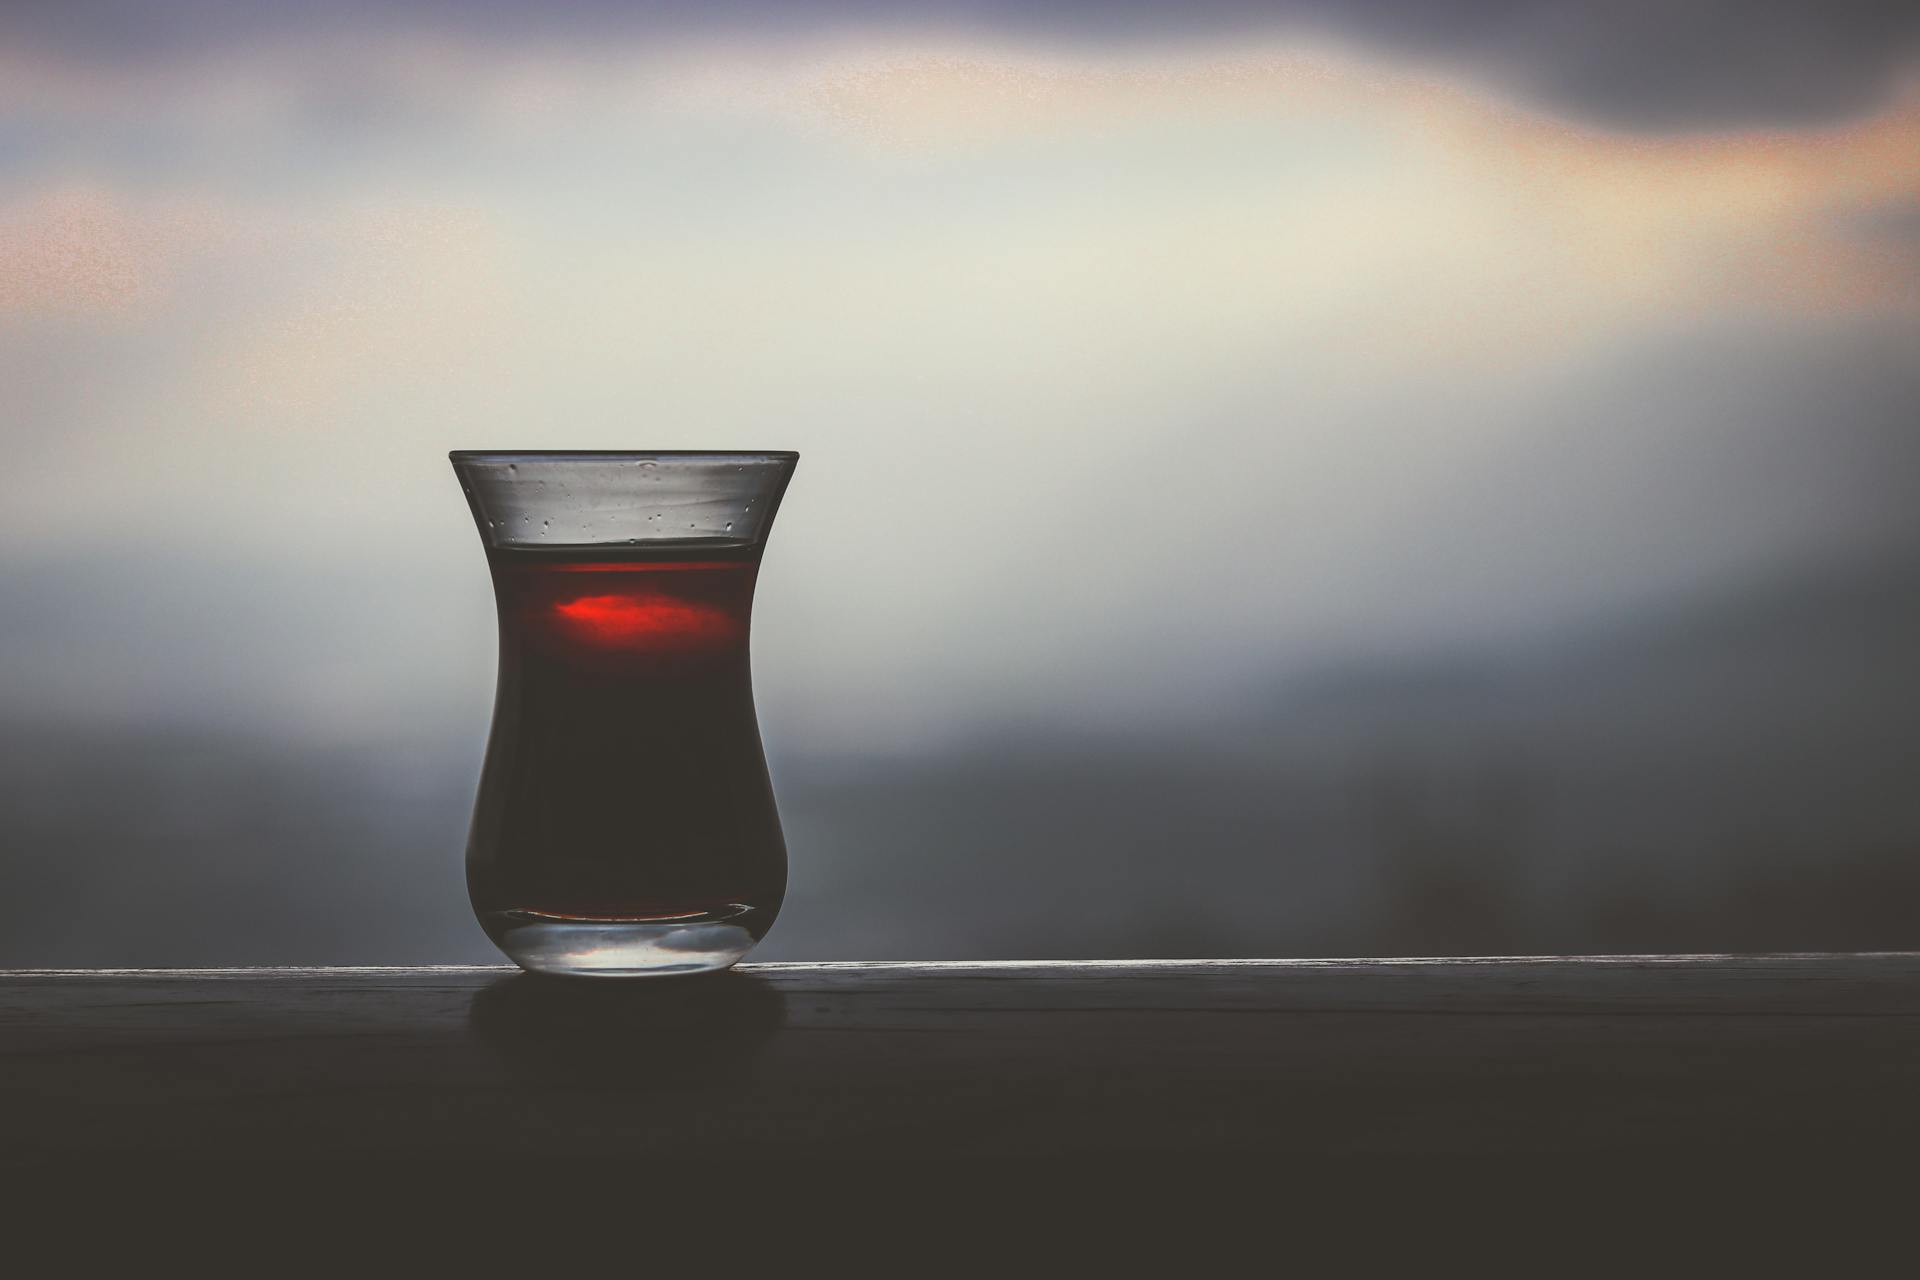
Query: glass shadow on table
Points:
[702, 1031]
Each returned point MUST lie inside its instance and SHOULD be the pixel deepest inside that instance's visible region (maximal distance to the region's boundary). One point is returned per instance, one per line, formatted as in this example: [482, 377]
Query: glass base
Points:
[542, 943]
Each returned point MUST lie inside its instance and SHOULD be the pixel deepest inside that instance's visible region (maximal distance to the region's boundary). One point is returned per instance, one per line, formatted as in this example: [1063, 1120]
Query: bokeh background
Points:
[1279, 479]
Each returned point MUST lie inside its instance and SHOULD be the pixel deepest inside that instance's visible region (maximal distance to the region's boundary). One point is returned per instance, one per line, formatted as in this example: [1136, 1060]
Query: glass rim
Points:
[564, 455]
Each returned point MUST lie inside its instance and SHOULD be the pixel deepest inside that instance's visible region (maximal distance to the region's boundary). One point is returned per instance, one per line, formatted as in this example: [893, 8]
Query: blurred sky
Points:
[1140, 355]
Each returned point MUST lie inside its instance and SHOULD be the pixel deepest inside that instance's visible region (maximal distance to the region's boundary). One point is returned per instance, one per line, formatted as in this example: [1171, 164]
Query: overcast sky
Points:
[1136, 361]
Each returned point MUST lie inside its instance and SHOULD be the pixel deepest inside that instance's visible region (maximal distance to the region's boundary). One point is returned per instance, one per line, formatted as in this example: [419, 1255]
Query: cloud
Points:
[1894, 223]
[1364, 157]
[78, 251]
[1642, 66]
[1122, 376]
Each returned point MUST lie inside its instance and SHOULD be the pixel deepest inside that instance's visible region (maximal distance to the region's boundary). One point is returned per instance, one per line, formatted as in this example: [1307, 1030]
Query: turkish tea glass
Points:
[625, 823]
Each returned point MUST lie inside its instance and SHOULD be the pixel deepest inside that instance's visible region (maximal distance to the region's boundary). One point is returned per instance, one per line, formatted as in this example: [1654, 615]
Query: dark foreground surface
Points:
[1693, 1057]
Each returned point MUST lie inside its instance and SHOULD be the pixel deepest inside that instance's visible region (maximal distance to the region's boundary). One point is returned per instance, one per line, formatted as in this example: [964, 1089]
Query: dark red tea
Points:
[625, 783]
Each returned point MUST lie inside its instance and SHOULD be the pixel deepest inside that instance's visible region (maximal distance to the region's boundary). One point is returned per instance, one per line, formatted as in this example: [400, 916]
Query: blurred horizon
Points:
[1276, 478]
